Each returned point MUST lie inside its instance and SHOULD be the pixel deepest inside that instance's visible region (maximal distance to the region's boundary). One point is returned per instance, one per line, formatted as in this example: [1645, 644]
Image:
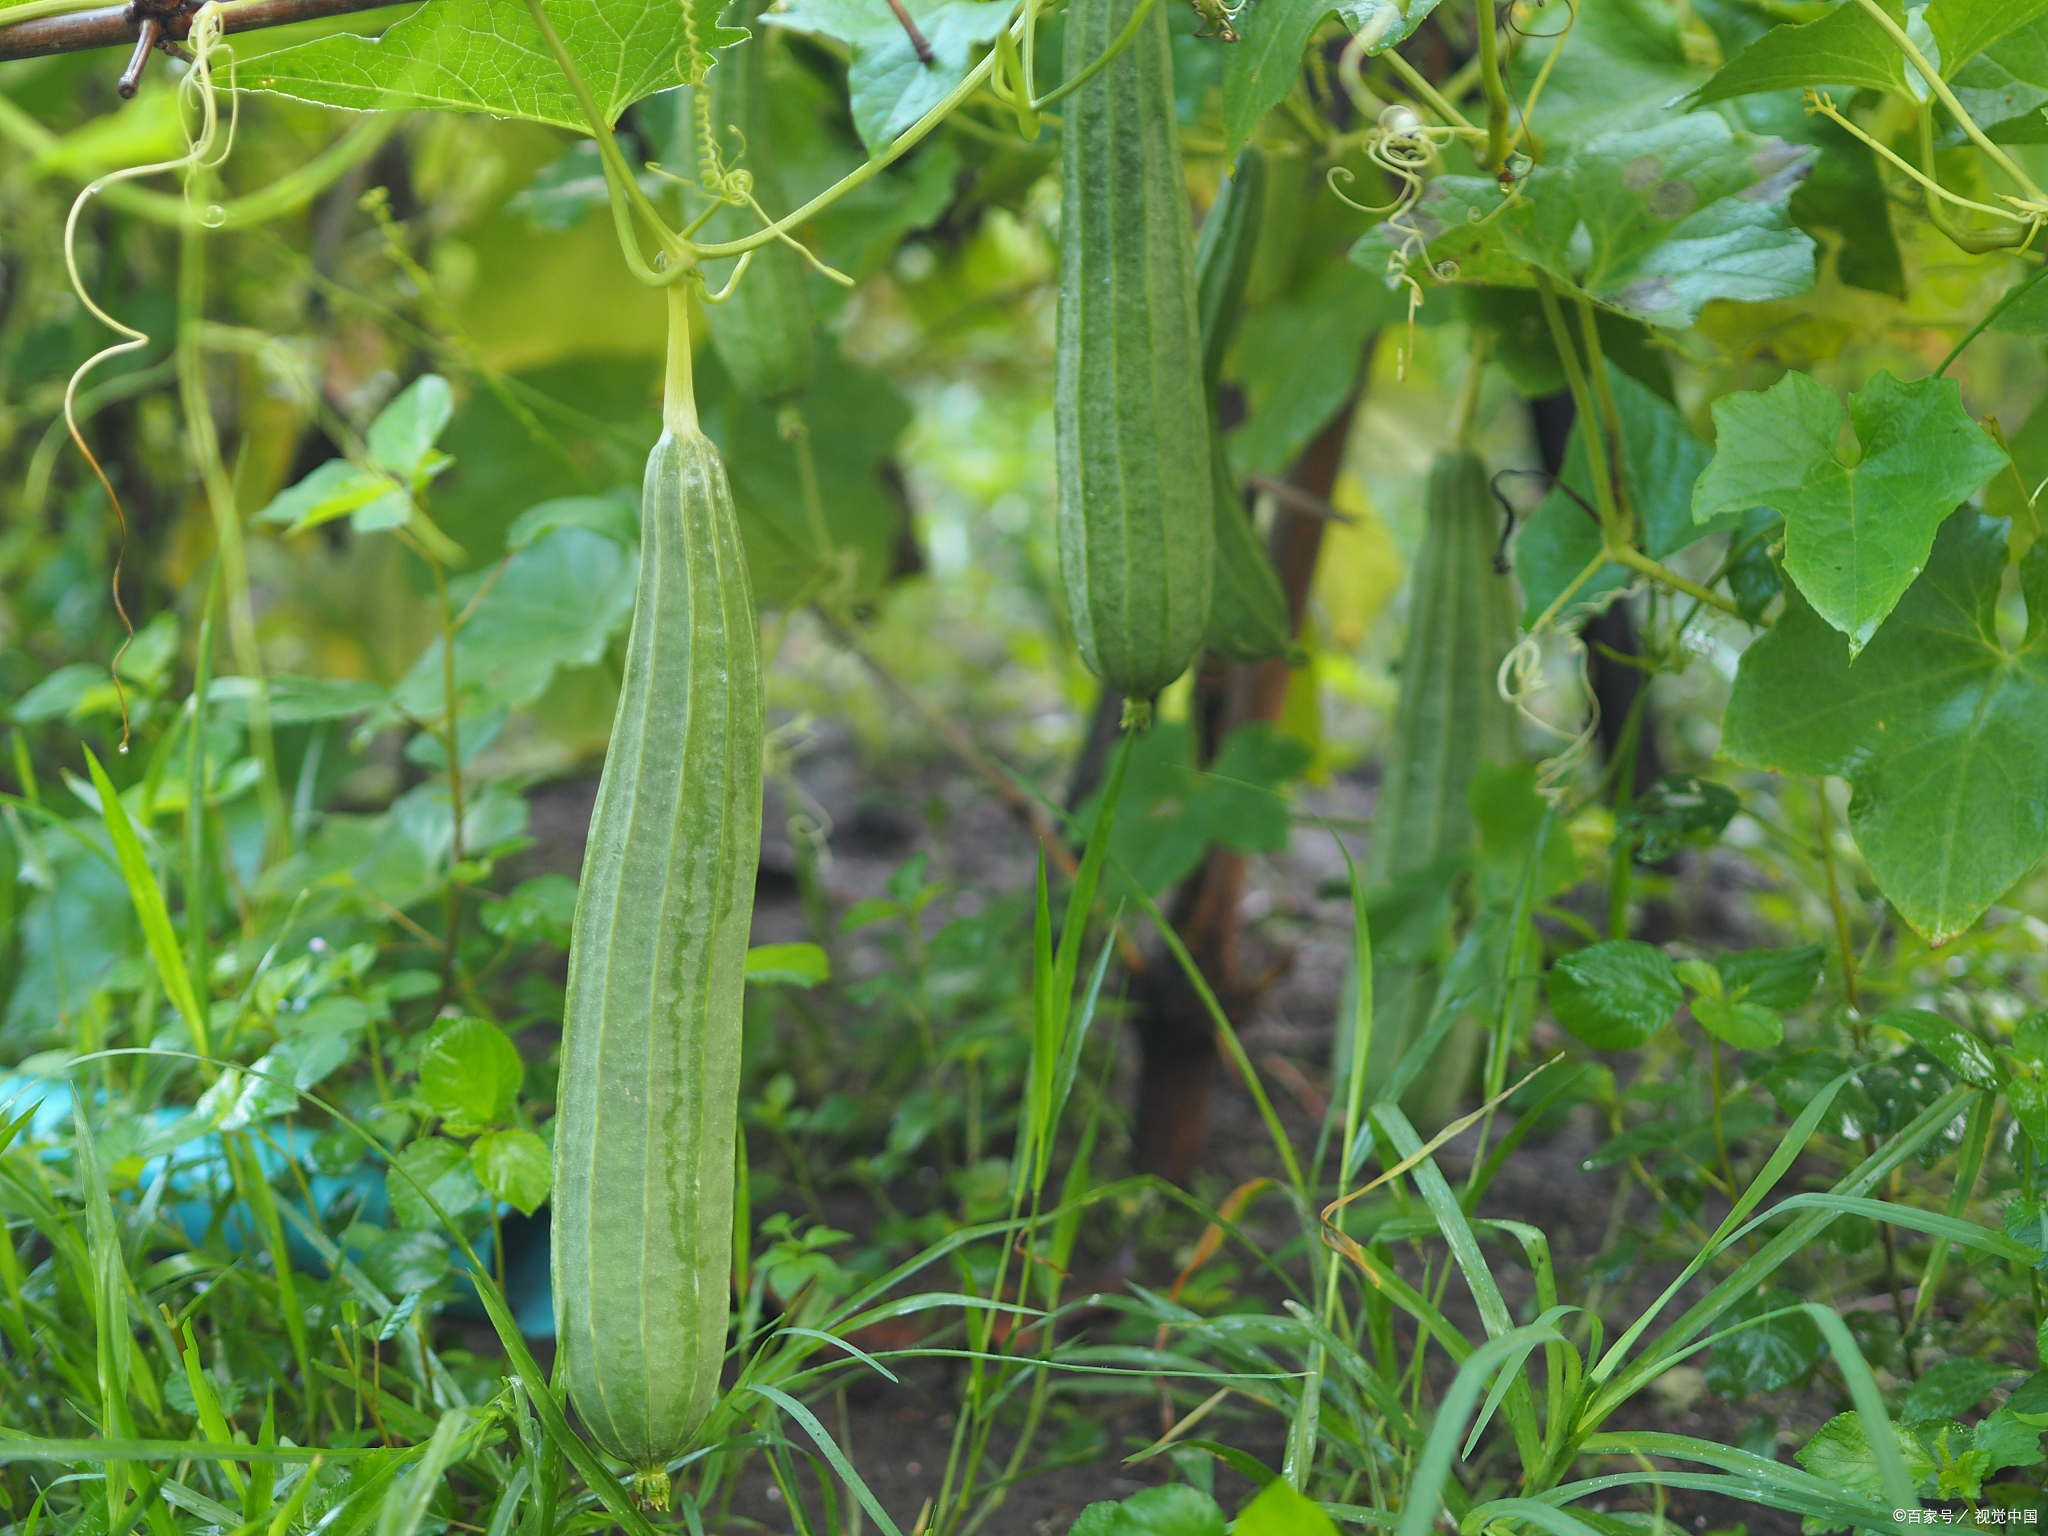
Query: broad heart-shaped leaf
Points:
[1941, 732]
[488, 56]
[1846, 47]
[1654, 223]
[1661, 459]
[1856, 534]
[890, 88]
[557, 603]
[1262, 67]
[1614, 996]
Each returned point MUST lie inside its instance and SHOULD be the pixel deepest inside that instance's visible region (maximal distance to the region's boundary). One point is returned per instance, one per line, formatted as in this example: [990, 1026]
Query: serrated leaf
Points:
[471, 1074]
[1614, 996]
[1654, 224]
[1951, 1389]
[1840, 1453]
[1948, 1043]
[889, 86]
[1767, 1356]
[1776, 978]
[488, 56]
[1857, 533]
[1941, 732]
[1846, 47]
[1745, 1026]
[513, 1166]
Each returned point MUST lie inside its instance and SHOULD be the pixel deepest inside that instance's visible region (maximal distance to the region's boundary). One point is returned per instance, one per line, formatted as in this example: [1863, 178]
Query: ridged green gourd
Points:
[1248, 617]
[1450, 719]
[644, 1142]
[763, 333]
[1136, 481]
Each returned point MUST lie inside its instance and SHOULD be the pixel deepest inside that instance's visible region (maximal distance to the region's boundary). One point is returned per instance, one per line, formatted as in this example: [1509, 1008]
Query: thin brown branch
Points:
[123, 26]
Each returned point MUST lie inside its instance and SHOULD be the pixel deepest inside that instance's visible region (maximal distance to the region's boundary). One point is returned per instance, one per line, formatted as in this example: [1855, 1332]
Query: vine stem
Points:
[1494, 87]
[1841, 912]
[1947, 97]
[2012, 297]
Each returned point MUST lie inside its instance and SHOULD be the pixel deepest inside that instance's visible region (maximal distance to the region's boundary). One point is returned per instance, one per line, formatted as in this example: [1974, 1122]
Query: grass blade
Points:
[148, 898]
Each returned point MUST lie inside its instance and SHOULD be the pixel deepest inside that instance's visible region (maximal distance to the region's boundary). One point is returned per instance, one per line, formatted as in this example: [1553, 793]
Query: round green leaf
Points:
[471, 1075]
[1614, 996]
[1746, 1026]
[513, 1166]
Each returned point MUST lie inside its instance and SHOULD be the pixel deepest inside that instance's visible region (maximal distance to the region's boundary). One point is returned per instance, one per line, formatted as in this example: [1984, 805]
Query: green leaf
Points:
[1965, 28]
[854, 417]
[1857, 533]
[488, 56]
[1941, 732]
[1655, 223]
[1840, 1453]
[148, 898]
[1680, 810]
[889, 86]
[791, 965]
[1661, 461]
[1776, 978]
[1297, 358]
[1621, 68]
[513, 1166]
[334, 489]
[557, 603]
[616, 516]
[1174, 1510]
[301, 700]
[439, 1167]
[1767, 1356]
[1846, 47]
[1746, 1026]
[402, 437]
[1951, 1389]
[1278, 1510]
[1261, 68]
[471, 1075]
[1614, 996]
[2007, 1440]
[1508, 810]
[2005, 86]
[1950, 1044]
[1383, 23]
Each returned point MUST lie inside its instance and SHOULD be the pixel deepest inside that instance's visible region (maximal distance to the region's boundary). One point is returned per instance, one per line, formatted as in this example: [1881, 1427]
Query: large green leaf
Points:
[2005, 86]
[1846, 47]
[1940, 730]
[1965, 28]
[1383, 23]
[1622, 66]
[557, 604]
[890, 87]
[1655, 223]
[1660, 461]
[853, 417]
[1856, 532]
[488, 56]
[1263, 66]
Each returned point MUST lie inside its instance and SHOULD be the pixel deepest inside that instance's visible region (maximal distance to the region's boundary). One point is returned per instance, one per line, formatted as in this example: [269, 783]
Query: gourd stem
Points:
[1582, 403]
[678, 392]
[1936, 84]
